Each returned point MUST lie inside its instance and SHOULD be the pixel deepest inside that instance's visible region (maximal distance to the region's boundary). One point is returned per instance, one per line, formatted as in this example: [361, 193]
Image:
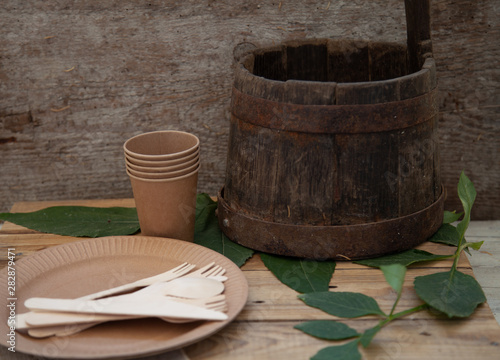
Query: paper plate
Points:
[83, 267]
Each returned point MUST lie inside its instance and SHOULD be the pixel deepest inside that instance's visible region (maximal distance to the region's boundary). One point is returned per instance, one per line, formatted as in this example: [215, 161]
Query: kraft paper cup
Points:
[161, 145]
[167, 207]
[166, 175]
[168, 169]
[162, 163]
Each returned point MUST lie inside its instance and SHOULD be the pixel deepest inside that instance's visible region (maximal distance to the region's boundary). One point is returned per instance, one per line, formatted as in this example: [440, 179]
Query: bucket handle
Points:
[418, 32]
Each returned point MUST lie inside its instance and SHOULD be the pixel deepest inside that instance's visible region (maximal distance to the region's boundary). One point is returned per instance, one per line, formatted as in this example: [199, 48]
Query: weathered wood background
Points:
[79, 78]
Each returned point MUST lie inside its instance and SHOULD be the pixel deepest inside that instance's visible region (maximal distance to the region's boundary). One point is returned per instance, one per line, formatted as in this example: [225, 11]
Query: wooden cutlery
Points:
[177, 295]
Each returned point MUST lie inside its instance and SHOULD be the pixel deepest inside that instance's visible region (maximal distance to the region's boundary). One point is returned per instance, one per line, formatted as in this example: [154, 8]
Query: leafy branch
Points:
[352, 305]
[452, 292]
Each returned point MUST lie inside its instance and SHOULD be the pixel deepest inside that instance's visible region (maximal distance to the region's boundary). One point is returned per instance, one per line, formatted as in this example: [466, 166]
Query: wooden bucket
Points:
[333, 150]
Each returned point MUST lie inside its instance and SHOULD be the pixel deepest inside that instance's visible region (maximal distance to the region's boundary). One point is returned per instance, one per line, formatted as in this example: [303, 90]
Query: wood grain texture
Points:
[264, 329]
[77, 80]
[366, 154]
[278, 340]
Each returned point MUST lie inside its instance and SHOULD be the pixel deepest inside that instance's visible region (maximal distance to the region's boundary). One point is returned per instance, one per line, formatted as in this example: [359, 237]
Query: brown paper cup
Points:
[166, 208]
[163, 163]
[166, 175]
[161, 145]
[156, 170]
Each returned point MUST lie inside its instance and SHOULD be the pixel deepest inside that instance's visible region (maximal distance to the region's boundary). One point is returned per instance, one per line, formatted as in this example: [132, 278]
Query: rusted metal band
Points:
[331, 242]
[334, 119]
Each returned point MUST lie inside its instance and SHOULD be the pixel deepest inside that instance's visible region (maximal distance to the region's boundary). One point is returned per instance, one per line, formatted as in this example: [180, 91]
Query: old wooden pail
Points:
[333, 150]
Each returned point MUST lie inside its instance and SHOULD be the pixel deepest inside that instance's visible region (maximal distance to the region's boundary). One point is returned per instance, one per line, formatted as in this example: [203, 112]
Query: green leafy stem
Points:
[451, 292]
[352, 305]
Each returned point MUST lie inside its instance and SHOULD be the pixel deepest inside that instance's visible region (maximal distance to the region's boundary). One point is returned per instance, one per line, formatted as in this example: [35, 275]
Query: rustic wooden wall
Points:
[79, 78]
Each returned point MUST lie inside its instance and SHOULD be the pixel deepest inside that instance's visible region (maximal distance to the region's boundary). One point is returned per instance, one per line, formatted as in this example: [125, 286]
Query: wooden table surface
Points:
[264, 329]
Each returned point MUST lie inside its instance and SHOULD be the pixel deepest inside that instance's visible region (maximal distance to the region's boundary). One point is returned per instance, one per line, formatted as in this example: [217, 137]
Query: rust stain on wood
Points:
[7, 140]
[17, 123]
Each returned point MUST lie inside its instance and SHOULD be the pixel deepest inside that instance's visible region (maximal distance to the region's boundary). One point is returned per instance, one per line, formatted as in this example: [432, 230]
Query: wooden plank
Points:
[270, 65]
[270, 300]
[484, 228]
[370, 193]
[93, 75]
[251, 165]
[279, 340]
[255, 263]
[418, 30]
[28, 241]
[417, 167]
[305, 178]
[486, 262]
[406, 338]
[264, 329]
[307, 62]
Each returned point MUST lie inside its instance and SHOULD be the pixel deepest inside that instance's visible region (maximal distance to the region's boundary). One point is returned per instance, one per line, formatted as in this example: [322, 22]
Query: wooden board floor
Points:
[264, 329]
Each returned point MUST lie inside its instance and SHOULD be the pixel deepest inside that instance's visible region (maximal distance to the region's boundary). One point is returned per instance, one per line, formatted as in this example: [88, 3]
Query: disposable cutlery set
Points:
[178, 295]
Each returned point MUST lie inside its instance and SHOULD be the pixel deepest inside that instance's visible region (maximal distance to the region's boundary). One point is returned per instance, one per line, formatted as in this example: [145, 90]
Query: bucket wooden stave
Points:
[334, 135]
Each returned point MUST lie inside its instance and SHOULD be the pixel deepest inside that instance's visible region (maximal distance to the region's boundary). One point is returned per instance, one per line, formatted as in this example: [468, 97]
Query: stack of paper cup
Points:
[163, 170]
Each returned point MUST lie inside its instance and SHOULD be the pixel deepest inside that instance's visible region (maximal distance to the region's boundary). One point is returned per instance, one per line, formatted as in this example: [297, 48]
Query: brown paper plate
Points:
[82, 267]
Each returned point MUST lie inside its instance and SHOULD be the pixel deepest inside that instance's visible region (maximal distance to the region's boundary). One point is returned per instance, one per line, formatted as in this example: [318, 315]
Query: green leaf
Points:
[476, 245]
[451, 216]
[404, 258]
[301, 275]
[446, 234]
[368, 335]
[208, 233]
[327, 329]
[449, 235]
[78, 220]
[205, 210]
[347, 351]
[202, 201]
[343, 304]
[467, 195]
[454, 293]
[97, 222]
[394, 275]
